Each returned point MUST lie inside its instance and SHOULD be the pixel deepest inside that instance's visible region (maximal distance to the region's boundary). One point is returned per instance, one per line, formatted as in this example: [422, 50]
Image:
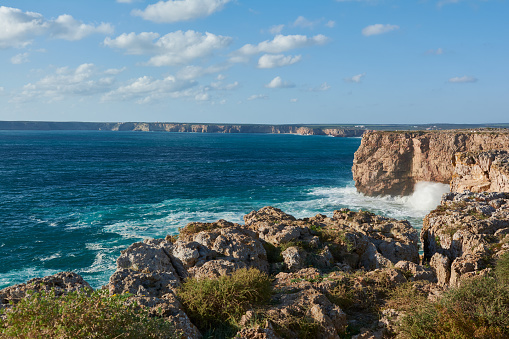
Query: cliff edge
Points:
[391, 163]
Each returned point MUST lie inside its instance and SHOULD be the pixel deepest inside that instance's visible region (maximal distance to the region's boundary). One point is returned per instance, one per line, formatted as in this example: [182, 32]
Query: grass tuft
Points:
[84, 314]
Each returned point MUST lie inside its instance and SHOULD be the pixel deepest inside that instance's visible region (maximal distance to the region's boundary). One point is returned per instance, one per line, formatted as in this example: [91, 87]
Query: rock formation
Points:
[391, 163]
[481, 172]
[462, 235]
[330, 273]
[180, 127]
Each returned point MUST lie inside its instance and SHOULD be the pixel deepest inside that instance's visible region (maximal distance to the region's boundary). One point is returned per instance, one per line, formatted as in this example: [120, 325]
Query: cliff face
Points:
[179, 127]
[481, 172]
[390, 163]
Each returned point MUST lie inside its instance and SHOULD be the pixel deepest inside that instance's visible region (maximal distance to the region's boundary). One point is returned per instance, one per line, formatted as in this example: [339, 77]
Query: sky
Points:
[263, 61]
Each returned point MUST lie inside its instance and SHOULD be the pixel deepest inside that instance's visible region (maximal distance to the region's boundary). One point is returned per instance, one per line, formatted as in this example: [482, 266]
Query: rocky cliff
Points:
[481, 172]
[391, 163]
[180, 127]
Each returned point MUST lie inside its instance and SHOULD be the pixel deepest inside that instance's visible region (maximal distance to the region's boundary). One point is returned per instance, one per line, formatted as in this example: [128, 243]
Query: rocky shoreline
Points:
[310, 260]
[181, 127]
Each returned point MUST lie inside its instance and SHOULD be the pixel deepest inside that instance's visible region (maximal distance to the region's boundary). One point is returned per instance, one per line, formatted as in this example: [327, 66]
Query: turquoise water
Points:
[73, 200]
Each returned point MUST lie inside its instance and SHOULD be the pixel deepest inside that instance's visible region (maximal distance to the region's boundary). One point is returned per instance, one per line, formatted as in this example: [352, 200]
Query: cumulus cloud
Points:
[304, 23]
[276, 29]
[257, 97]
[180, 10]
[356, 78]
[115, 71]
[294, 100]
[171, 49]
[277, 82]
[20, 58]
[18, 28]
[193, 72]
[277, 60]
[462, 80]
[282, 43]
[330, 23]
[378, 29]
[84, 80]
[147, 89]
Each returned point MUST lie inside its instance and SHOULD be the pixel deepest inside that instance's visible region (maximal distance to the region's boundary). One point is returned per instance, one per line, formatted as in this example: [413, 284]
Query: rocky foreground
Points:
[333, 274]
[391, 163]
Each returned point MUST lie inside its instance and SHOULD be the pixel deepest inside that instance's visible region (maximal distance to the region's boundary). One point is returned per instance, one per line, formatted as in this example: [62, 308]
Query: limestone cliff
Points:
[391, 163]
[180, 127]
[481, 172]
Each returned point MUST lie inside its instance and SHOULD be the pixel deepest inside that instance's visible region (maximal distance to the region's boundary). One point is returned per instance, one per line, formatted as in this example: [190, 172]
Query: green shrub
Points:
[502, 269]
[479, 308]
[84, 314]
[211, 303]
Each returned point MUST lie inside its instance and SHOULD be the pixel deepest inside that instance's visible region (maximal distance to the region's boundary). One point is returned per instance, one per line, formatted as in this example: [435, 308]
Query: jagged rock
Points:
[146, 284]
[146, 257]
[307, 304]
[464, 233]
[486, 171]
[417, 272]
[441, 265]
[216, 268]
[60, 283]
[294, 258]
[391, 163]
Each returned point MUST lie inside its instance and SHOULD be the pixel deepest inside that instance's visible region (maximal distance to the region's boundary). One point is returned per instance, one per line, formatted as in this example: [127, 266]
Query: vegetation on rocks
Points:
[83, 314]
[213, 302]
[479, 308]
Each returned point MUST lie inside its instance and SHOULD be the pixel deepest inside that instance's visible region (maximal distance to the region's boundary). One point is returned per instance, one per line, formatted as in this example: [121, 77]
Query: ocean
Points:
[72, 200]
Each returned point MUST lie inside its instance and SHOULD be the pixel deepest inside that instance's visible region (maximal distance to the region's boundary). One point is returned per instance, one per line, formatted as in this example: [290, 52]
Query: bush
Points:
[479, 308]
[84, 314]
[502, 269]
[214, 302]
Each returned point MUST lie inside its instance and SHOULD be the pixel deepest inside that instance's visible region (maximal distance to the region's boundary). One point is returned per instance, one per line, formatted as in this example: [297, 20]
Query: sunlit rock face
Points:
[481, 172]
[391, 163]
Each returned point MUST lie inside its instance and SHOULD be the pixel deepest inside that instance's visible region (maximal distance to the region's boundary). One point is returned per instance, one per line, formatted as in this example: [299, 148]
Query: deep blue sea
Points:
[72, 200]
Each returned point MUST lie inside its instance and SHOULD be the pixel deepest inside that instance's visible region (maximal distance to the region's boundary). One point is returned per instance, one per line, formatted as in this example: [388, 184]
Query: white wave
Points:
[50, 257]
[427, 196]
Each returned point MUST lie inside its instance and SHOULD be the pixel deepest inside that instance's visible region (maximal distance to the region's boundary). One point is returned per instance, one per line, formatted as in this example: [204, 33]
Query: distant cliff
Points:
[390, 163]
[180, 127]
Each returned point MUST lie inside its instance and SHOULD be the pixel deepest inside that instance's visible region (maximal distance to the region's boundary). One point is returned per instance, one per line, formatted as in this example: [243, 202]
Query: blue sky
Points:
[239, 61]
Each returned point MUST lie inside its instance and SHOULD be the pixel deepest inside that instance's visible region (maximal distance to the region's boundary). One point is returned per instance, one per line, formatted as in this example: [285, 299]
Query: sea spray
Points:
[426, 196]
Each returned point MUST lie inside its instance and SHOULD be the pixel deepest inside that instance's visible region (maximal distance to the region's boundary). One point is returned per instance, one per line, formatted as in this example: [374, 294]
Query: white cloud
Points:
[378, 29]
[323, 87]
[277, 60]
[146, 90]
[438, 51]
[276, 29]
[356, 78]
[115, 71]
[126, 1]
[194, 72]
[257, 97]
[171, 49]
[463, 79]
[330, 23]
[294, 100]
[282, 43]
[277, 82]
[304, 23]
[67, 28]
[1, 89]
[85, 80]
[219, 86]
[180, 10]
[20, 58]
[18, 28]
